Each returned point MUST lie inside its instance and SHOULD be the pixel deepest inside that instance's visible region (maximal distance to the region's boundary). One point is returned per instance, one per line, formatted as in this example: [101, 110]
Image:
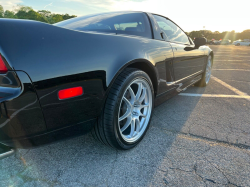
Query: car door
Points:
[164, 59]
[188, 61]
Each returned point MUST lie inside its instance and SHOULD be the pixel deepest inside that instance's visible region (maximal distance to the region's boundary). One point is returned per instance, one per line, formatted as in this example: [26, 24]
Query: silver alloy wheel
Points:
[208, 69]
[135, 110]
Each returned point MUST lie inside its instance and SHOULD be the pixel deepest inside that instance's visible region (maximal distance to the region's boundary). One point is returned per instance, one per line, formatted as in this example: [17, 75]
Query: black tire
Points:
[237, 44]
[202, 82]
[106, 130]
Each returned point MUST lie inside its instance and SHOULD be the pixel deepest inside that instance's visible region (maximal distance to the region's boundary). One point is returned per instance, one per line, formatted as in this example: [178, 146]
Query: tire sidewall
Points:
[133, 76]
[202, 82]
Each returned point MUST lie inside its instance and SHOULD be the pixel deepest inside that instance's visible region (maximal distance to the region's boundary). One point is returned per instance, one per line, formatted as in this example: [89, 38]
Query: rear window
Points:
[120, 23]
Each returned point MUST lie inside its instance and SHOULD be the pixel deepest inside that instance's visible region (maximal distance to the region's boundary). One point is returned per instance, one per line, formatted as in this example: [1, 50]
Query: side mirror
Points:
[199, 42]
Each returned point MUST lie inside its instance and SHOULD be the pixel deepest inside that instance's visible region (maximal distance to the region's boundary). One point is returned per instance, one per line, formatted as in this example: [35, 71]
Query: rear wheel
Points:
[128, 110]
[207, 74]
[237, 44]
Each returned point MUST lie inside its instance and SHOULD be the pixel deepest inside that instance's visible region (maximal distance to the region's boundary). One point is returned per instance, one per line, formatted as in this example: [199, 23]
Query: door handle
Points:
[162, 35]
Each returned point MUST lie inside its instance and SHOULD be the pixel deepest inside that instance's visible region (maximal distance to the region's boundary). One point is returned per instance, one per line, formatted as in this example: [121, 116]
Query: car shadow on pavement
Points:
[85, 161]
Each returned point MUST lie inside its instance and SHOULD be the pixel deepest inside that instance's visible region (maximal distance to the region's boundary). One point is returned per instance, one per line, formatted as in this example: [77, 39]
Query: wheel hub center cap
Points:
[135, 113]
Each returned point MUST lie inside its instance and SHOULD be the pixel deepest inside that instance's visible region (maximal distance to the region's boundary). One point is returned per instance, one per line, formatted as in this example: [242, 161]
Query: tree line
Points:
[230, 35]
[26, 12]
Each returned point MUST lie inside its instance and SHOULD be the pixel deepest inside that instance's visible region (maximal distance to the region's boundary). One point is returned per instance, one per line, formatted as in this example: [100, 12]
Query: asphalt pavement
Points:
[198, 138]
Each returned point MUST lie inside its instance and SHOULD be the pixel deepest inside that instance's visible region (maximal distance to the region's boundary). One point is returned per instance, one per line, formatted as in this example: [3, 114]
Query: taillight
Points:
[70, 92]
[3, 68]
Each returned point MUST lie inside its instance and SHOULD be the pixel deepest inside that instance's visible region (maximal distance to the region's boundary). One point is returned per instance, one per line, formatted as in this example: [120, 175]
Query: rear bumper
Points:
[21, 114]
[22, 122]
[52, 136]
[6, 151]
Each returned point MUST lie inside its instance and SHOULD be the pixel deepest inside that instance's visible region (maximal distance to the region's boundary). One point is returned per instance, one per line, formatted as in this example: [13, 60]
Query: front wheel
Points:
[238, 44]
[128, 110]
[206, 74]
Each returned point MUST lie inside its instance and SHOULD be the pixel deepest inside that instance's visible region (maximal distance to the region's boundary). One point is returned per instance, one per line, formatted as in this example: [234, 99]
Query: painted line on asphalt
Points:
[233, 55]
[235, 90]
[230, 70]
[214, 95]
[232, 52]
[231, 60]
[245, 82]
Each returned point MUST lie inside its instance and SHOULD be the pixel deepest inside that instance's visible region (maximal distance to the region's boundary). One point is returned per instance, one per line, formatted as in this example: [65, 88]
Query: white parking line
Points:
[235, 90]
[234, 55]
[214, 95]
[231, 52]
[231, 70]
[241, 95]
[230, 60]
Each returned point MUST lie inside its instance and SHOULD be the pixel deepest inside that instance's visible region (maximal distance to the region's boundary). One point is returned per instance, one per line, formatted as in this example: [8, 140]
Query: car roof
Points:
[126, 11]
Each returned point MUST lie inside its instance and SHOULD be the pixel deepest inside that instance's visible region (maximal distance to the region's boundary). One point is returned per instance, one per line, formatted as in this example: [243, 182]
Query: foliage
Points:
[56, 18]
[1, 11]
[26, 12]
[9, 14]
[217, 35]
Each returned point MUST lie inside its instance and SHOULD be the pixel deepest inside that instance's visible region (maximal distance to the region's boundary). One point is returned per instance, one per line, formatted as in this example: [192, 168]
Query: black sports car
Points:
[102, 73]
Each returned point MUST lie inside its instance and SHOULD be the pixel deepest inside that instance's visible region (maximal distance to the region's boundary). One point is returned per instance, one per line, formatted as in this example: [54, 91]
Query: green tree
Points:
[56, 18]
[44, 13]
[9, 14]
[33, 15]
[21, 14]
[67, 16]
[245, 34]
[195, 34]
[26, 12]
[1, 11]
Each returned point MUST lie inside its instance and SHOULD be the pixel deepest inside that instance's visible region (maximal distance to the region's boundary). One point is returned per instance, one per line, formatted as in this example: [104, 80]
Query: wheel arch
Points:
[212, 55]
[141, 64]
[148, 68]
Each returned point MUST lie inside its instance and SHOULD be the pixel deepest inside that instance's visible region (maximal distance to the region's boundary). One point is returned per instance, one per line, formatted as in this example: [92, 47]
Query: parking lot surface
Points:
[198, 138]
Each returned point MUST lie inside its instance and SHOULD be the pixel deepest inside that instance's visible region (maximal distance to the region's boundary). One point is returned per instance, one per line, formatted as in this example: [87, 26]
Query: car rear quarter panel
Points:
[57, 58]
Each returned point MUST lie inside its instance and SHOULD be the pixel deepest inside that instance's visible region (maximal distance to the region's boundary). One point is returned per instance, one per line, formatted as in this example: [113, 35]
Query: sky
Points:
[214, 15]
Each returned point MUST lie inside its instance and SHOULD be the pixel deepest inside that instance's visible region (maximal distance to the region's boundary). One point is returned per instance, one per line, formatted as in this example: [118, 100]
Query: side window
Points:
[119, 23]
[172, 31]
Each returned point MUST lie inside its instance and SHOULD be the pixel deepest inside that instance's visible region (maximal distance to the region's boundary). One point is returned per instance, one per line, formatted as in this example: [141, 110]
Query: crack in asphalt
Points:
[220, 170]
[238, 145]
[26, 178]
[202, 178]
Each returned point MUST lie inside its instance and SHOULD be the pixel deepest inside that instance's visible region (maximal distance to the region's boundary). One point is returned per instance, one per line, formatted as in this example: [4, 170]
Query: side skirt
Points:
[178, 87]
